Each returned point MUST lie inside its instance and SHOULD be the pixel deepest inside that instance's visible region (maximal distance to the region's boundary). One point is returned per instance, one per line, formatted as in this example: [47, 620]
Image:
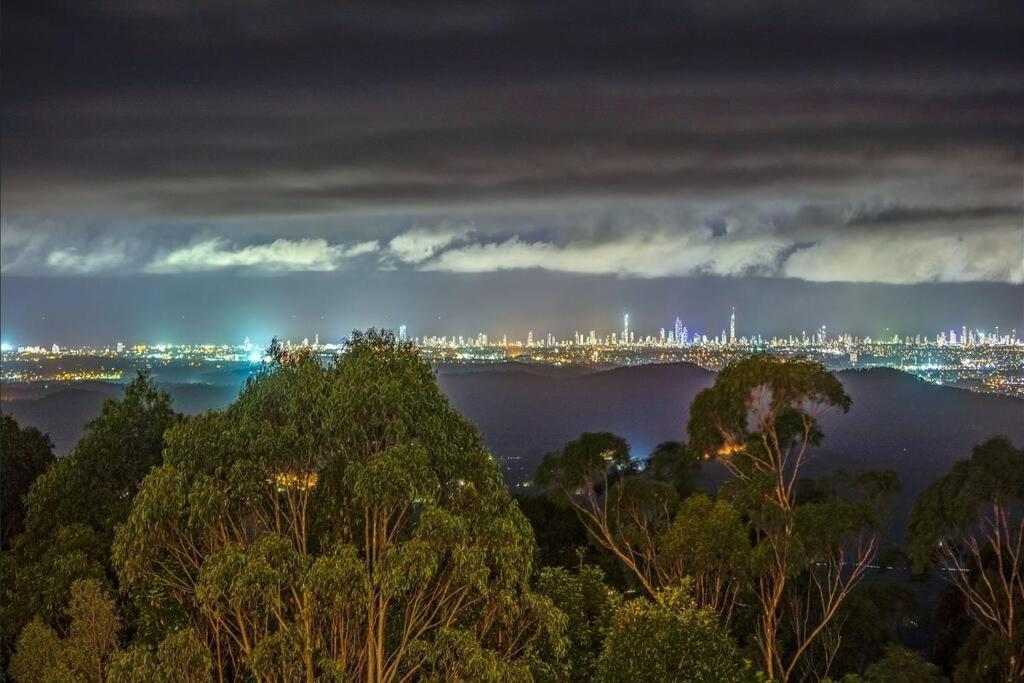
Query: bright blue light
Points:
[4, 346]
[255, 357]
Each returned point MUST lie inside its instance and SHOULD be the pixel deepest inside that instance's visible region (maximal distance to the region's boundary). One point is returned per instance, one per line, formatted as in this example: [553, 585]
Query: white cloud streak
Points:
[980, 255]
[653, 256]
[992, 254]
[419, 244]
[279, 256]
[72, 261]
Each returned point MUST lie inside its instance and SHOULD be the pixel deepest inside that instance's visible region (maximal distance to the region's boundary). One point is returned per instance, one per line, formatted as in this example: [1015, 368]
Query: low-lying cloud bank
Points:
[807, 243]
[281, 255]
[991, 255]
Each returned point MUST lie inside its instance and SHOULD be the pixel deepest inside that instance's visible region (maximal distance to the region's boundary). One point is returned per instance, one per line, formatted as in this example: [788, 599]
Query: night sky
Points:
[205, 171]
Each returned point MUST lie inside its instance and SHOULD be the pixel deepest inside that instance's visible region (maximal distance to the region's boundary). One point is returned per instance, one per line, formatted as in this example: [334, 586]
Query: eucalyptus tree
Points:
[84, 654]
[25, 453]
[589, 605]
[761, 419]
[670, 638]
[339, 520]
[971, 521]
[73, 508]
[638, 517]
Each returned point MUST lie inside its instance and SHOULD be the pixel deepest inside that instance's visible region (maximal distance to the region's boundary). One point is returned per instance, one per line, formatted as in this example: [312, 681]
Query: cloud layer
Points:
[906, 245]
[867, 142]
[281, 255]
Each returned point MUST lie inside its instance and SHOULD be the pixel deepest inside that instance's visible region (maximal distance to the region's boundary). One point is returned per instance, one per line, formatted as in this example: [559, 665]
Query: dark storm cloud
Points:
[730, 139]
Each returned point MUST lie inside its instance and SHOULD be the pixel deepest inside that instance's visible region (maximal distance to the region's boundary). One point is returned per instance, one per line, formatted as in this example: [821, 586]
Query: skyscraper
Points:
[680, 332]
[732, 326]
[625, 329]
[401, 333]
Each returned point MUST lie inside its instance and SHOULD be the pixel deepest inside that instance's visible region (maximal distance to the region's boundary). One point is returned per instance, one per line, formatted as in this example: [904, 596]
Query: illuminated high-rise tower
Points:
[625, 329]
[680, 336]
[401, 333]
[732, 326]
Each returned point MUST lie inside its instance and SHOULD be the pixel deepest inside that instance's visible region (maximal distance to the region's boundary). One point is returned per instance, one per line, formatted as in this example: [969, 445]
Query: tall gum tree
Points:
[971, 522]
[639, 517]
[339, 520]
[761, 419]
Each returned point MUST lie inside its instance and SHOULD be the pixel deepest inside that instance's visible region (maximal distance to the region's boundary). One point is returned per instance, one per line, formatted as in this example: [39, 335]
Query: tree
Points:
[180, 658]
[338, 520]
[43, 656]
[670, 639]
[93, 634]
[25, 453]
[588, 604]
[971, 521]
[708, 542]
[73, 508]
[760, 419]
[561, 538]
[673, 462]
[639, 518]
[871, 620]
[94, 485]
[39, 656]
[903, 665]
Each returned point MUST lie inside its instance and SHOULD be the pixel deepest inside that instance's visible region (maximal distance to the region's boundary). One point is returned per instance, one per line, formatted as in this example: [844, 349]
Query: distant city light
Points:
[5, 346]
[968, 358]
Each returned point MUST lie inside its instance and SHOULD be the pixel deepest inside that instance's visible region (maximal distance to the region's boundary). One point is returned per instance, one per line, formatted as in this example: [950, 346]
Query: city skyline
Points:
[677, 333]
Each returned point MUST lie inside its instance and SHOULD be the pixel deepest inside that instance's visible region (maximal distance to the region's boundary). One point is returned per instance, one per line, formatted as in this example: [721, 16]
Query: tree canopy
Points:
[971, 521]
[670, 639]
[760, 419]
[25, 453]
[338, 520]
[73, 508]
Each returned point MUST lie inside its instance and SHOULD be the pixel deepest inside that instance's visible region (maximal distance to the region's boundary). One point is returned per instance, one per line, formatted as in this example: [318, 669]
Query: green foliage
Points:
[761, 419]
[871, 621]
[95, 483]
[180, 658]
[338, 520]
[983, 657]
[670, 639]
[785, 390]
[93, 634]
[973, 519]
[92, 641]
[73, 508]
[706, 537]
[588, 604]
[39, 656]
[560, 537]
[673, 462]
[903, 665]
[954, 502]
[25, 453]
[584, 462]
